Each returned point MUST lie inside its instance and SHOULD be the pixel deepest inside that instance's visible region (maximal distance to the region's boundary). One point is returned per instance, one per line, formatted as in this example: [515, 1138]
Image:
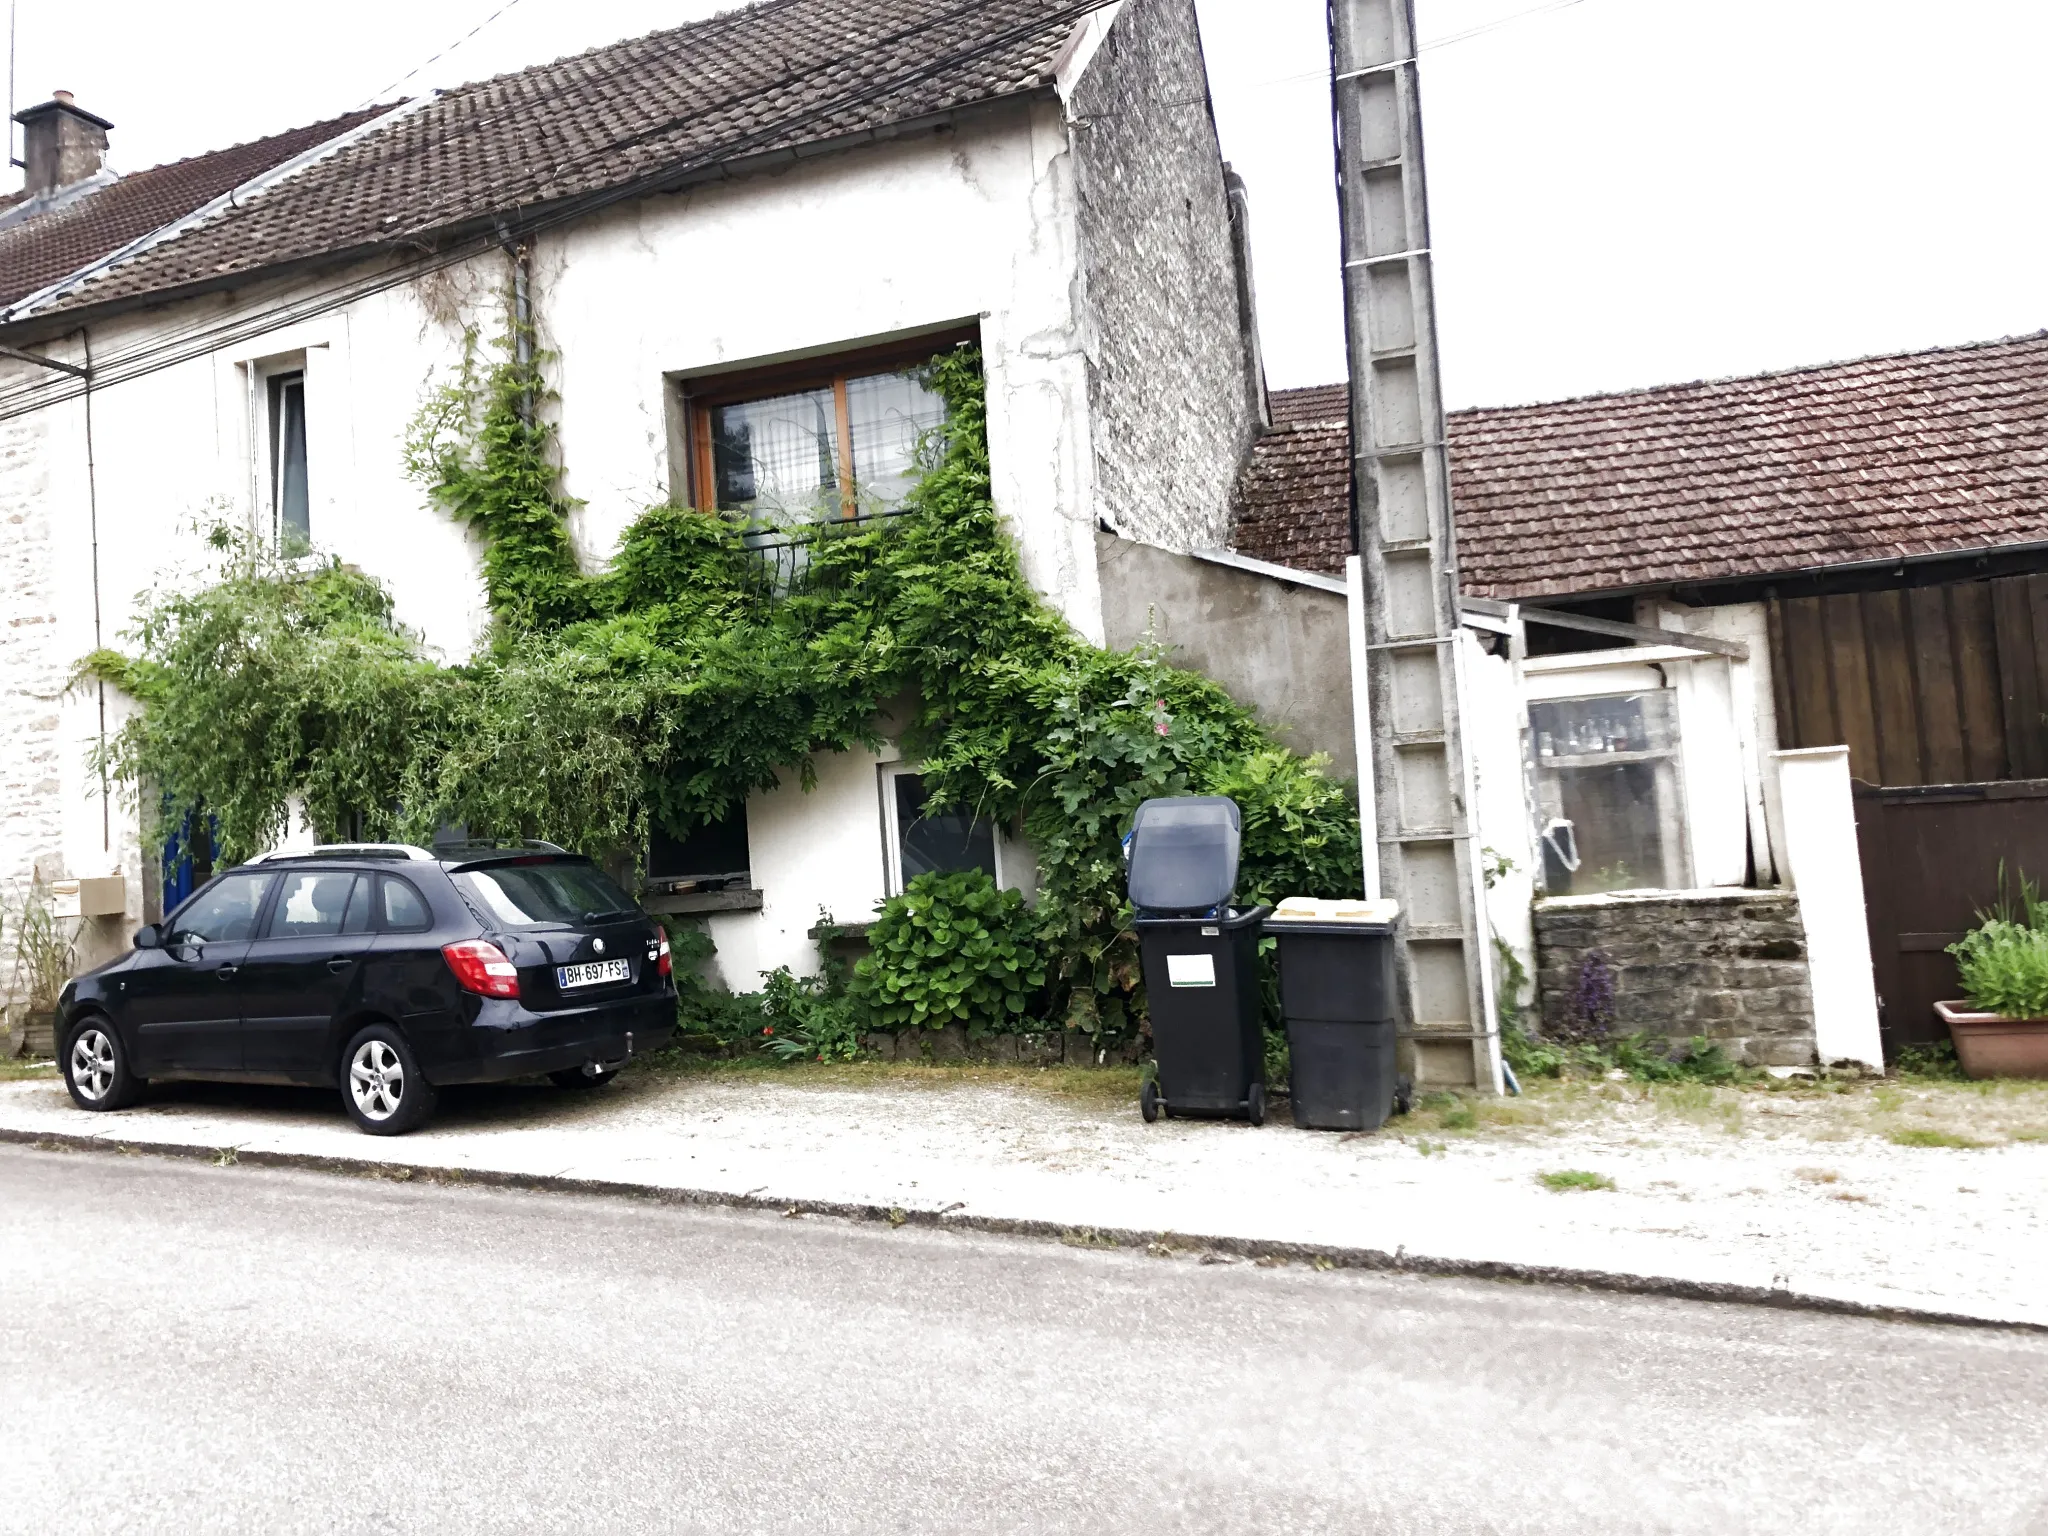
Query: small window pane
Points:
[891, 415]
[311, 905]
[777, 457]
[228, 911]
[288, 463]
[1609, 812]
[940, 842]
[404, 911]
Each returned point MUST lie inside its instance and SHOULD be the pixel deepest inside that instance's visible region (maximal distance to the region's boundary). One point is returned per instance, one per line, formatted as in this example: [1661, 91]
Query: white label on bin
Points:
[1190, 971]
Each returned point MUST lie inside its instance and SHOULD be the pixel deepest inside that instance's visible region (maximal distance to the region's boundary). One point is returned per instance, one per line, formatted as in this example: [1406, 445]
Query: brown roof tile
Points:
[774, 76]
[1912, 454]
[44, 247]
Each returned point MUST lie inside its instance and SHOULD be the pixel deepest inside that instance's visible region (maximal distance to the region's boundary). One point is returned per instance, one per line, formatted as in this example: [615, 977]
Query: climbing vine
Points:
[680, 678]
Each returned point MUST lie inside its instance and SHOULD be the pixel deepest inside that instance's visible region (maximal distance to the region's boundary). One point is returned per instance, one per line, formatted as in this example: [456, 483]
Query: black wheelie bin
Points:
[1336, 962]
[1200, 960]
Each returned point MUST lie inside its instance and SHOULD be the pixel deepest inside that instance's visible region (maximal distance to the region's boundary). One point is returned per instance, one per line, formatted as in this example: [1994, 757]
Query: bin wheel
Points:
[1404, 1095]
[1255, 1104]
[1148, 1102]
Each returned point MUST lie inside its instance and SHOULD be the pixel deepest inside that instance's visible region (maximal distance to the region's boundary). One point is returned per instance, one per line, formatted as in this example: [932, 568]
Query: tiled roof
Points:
[44, 247]
[771, 77]
[1294, 495]
[1913, 454]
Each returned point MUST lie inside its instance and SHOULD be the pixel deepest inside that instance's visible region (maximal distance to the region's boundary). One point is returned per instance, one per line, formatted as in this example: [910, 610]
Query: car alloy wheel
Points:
[92, 1063]
[376, 1078]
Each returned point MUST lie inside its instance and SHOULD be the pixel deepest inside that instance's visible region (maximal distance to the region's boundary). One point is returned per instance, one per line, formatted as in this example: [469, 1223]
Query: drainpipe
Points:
[92, 504]
[522, 324]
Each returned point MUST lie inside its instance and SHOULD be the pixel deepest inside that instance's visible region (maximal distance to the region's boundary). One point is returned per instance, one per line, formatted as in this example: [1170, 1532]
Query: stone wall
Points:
[1173, 398]
[32, 667]
[1726, 964]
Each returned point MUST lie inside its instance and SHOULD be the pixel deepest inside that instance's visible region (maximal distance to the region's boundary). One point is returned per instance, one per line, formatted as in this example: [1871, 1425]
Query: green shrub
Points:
[2004, 967]
[952, 949]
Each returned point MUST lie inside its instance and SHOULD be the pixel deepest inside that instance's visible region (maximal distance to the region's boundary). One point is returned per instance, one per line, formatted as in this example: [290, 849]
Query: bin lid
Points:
[1184, 853]
[1349, 914]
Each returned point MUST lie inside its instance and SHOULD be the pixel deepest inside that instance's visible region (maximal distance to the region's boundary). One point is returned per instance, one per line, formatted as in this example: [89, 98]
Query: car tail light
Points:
[481, 967]
[663, 964]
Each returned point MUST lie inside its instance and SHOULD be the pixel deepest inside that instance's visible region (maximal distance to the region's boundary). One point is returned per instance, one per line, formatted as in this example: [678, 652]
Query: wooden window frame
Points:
[831, 371]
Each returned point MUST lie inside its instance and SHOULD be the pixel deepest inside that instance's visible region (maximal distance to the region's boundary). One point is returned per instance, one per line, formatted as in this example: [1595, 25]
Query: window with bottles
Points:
[1607, 794]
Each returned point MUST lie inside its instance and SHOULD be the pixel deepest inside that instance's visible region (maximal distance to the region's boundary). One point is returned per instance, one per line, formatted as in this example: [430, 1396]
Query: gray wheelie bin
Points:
[1200, 960]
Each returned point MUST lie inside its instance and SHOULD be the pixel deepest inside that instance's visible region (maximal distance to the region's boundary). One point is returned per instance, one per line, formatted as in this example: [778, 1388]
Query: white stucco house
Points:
[734, 233]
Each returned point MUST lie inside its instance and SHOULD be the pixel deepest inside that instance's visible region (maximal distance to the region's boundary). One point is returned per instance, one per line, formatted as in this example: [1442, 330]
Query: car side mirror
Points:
[149, 936]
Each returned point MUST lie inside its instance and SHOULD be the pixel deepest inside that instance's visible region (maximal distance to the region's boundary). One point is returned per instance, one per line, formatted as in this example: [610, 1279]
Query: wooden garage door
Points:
[1932, 685]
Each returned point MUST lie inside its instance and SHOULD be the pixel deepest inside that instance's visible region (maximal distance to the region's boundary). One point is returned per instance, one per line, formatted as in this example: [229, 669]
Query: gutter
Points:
[1847, 568]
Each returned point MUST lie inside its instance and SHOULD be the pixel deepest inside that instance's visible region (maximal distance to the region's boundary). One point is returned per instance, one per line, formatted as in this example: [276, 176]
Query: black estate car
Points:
[382, 969]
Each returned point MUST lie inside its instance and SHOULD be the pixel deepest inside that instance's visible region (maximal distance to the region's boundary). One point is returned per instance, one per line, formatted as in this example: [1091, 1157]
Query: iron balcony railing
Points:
[783, 551]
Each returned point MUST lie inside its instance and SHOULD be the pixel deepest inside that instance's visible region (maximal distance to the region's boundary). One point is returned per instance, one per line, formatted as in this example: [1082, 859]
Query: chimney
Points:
[62, 144]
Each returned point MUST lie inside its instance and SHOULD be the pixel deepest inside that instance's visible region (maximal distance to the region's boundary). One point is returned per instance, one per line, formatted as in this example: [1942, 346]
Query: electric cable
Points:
[198, 341]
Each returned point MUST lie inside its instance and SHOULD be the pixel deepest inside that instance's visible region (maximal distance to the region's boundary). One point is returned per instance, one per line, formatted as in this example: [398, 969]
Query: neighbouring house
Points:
[734, 237]
[1863, 548]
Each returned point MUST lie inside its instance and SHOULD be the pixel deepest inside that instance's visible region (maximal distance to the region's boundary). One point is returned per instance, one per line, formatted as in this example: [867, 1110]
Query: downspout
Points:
[92, 503]
[522, 326]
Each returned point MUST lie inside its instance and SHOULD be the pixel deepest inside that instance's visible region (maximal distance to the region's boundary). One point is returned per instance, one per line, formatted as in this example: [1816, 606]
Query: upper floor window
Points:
[834, 438]
[290, 499]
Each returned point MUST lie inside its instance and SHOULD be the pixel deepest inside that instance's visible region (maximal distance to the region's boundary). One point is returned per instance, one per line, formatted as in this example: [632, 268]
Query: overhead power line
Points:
[1434, 43]
[198, 341]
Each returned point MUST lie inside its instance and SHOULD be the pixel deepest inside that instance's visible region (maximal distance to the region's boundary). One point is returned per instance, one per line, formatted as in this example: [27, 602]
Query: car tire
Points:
[382, 1087]
[582, 1077]
[96, 1066]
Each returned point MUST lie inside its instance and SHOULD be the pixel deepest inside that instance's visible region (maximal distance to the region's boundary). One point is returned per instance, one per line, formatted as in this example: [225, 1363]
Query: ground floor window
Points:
[713, 856]
[920, 839]
[1609, 808]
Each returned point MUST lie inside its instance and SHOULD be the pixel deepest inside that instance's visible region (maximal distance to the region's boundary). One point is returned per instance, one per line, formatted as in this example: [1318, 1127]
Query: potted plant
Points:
[2001, 1029]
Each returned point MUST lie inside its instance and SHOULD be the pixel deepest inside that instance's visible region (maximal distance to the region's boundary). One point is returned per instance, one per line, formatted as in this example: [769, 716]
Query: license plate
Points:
[594, 974]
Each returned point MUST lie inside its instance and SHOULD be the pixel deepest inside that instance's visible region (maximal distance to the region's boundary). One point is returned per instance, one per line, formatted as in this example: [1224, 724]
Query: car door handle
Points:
[341, 962]
[226, 972]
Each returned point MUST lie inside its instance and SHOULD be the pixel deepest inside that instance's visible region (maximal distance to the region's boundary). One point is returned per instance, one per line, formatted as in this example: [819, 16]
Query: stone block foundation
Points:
[1726, 964]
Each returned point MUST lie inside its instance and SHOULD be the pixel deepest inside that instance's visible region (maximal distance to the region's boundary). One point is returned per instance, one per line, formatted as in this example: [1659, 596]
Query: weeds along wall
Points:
[667, 687]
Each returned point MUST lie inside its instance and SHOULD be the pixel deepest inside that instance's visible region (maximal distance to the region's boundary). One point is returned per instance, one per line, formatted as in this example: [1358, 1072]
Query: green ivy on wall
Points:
[679, 679]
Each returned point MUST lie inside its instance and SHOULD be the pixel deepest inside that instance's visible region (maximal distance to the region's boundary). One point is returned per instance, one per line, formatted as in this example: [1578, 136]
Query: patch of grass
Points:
[1574, 1178]
[21, 1068]
[1920, 1136]
[1817, 1175]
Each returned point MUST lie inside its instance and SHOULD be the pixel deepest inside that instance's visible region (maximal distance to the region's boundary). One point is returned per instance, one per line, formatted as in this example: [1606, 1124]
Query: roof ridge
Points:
[365, 112]
[1675, 385]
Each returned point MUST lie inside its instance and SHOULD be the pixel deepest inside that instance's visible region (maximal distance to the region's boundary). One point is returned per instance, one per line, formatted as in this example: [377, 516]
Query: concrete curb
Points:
[1323, 1256]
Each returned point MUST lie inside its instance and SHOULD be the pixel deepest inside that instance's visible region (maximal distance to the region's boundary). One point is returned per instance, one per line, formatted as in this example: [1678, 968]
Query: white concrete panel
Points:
[1823, 865]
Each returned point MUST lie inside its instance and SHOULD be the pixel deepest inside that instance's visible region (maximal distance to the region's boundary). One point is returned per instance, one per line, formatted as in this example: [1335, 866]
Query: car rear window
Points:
[544, 895]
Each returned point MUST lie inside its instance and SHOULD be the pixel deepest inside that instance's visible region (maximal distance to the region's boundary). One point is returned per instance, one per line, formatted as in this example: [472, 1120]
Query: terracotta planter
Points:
[1989, 1045]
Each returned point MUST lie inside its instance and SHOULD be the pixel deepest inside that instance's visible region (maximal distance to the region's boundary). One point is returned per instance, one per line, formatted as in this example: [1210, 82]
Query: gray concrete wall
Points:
[1276, 643]
[1174, 400]
[1729, 965]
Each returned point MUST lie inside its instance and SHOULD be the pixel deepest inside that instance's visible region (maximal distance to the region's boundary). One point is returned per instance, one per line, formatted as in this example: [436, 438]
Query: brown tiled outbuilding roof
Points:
[44, 247]
[776, 76]
[1919, 453]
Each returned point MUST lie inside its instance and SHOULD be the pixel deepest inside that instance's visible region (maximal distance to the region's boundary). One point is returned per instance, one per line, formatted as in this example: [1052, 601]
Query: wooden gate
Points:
[1930, 858]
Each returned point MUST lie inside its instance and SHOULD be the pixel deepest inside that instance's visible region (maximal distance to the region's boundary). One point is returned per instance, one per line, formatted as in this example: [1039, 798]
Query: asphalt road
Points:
[185, 1347]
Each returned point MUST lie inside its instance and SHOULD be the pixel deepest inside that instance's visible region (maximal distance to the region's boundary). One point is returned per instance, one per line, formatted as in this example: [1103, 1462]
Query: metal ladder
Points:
[1417, 801]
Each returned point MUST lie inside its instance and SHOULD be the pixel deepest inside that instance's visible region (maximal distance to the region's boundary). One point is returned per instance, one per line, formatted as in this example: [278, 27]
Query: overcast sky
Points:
[1623, 192]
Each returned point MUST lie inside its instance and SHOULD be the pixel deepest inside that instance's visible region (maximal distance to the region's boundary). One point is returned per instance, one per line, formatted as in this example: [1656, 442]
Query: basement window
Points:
[922, 839]
[839, 437]
[290, 505]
